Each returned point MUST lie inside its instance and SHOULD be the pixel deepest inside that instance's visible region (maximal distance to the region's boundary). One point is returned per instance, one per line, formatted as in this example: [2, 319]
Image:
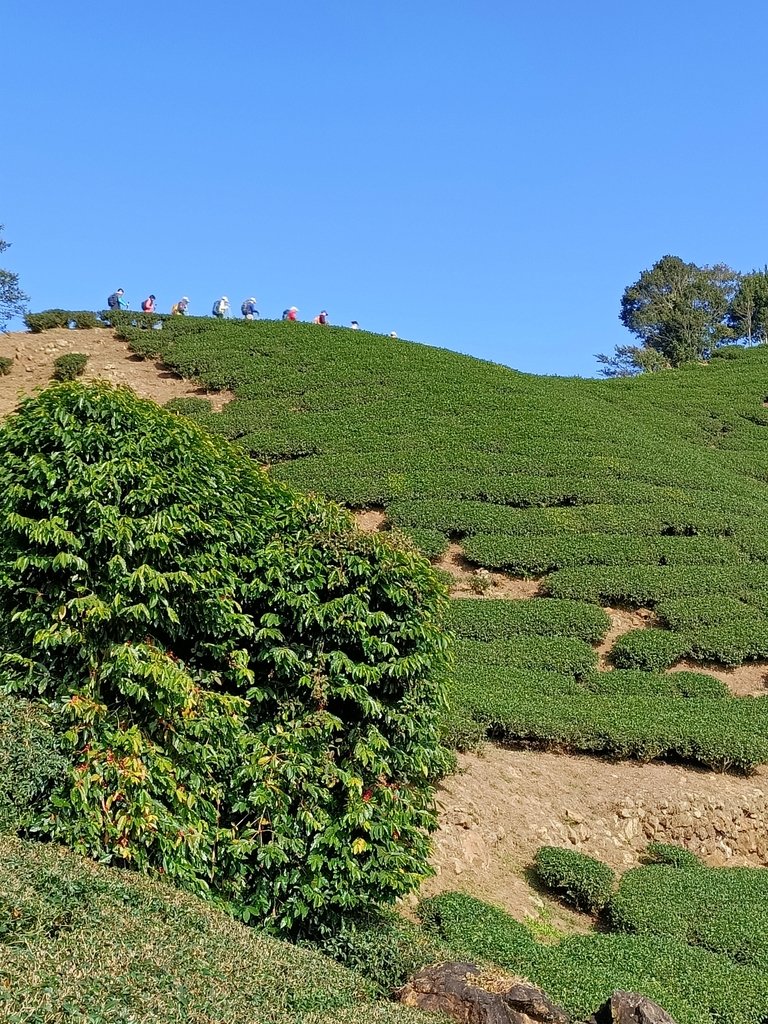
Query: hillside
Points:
[643, 493]
[607, 551]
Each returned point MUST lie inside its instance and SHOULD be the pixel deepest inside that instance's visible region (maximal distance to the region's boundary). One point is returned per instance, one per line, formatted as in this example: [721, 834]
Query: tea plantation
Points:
[635, 492]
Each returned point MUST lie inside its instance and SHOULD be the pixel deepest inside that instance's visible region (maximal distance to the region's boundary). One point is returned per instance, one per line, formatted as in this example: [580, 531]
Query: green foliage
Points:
[30, 763]
[672, 855]
[385, 949]
[578, 879]
[501, 619]
[649, 650]
[50, 319]
[548, 653]
[657, 684]
[679, 309]
[724, 910]
[251, 687]
[646, 492]
[69, 366]
[12, 299]
[547, 709]
[5, 365]
[80, 942]
[748, 311]
[694, 985]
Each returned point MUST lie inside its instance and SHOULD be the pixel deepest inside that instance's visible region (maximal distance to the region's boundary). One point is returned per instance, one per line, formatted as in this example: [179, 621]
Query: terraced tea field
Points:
[645, 493]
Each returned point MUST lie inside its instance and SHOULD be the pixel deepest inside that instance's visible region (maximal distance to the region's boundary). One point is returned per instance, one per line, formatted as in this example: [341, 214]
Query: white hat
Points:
[224, 298]
[184, 298]
[294, 309]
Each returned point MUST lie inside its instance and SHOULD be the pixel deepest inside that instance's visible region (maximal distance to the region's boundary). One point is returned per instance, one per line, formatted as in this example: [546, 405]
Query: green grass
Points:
[91, 945]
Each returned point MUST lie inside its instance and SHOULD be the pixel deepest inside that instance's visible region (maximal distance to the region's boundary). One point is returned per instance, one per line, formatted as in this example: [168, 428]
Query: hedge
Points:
[649, 650]
[722, 909]
[657, 684]
[503, 619]
[694, 985]
[578, 879]
[549, 653]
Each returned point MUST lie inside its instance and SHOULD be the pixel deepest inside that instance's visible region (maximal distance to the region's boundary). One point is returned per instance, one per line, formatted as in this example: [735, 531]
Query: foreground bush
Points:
[581, 880]
[79, 942]
[251, 688]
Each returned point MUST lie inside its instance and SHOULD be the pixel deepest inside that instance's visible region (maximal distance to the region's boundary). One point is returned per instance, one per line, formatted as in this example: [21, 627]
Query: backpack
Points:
[216, 307]
[113, 301]
[286, 312]
[175, 307]
[147, 306]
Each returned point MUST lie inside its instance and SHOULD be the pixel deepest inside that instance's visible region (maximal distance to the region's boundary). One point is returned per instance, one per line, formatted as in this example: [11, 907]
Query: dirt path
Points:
[108, 359]
[503, 804]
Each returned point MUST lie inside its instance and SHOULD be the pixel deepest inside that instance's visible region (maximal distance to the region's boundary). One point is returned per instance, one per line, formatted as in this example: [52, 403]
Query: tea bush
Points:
[578, 879]
[694, 985]
[30, 762]
[50, 319]
[671, 854]
[501, 619]
[649, 650]
[724, 910]
[251, 688]
[69, 366]
[5, 366]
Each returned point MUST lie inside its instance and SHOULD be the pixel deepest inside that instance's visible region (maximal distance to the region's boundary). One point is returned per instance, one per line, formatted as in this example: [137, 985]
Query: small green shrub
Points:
[672, 855]
[48, 320]
[69, 366]
[5, 365]
[384, 948]
[649, 650]
[31, 765]
[584, 882]
[194, 408]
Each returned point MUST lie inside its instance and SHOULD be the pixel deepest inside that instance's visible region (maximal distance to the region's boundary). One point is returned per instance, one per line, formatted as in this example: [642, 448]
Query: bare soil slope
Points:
[108, 359]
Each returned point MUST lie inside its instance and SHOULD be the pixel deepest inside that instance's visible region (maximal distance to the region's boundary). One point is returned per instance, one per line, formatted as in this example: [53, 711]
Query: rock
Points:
[454, 989]
[630, 1008]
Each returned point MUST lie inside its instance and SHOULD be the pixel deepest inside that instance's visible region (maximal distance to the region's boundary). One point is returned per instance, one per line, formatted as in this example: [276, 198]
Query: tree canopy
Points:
[12, 298]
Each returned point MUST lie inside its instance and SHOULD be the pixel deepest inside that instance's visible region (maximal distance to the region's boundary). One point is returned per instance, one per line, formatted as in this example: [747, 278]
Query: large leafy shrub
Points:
[251, 687]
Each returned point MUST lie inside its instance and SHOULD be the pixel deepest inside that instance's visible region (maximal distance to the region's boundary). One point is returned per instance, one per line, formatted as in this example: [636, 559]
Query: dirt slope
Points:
[109, 359]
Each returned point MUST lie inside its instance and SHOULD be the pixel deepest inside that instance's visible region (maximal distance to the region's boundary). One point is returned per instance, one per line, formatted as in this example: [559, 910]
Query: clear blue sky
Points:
[481, 174]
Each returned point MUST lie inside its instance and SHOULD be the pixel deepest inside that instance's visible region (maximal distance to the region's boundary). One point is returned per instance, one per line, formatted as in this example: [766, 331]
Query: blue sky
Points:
[484, 175]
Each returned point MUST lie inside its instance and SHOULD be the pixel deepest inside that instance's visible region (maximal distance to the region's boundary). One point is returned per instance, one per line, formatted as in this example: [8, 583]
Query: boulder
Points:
[630, 1008]
[455, 989]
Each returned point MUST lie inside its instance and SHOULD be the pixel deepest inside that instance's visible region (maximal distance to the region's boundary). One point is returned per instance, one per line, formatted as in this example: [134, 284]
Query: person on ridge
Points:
[220, 307]
[180, 308]
[321, 318]
[290, 313]
[355, 325]
[148, 305]
[115, 300]
[248, 309]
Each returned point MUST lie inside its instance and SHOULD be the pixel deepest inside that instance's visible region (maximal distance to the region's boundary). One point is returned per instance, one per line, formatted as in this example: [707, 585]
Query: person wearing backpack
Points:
[220, 307]
[180, 308]
[115, 300]
[321, 318]
[148, 305]
[248, 309]
[290, 313]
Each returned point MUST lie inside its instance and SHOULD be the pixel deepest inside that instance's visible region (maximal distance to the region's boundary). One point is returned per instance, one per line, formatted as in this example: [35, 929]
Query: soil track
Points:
[108, 359]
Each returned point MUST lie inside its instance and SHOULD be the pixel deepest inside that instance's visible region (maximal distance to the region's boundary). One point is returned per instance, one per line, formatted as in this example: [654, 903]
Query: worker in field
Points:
[115, 300]
[180, 308]
[291, 313]
[221, 307]
[321, 318]
[248, 309]
[355, 325]
[148, 305]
